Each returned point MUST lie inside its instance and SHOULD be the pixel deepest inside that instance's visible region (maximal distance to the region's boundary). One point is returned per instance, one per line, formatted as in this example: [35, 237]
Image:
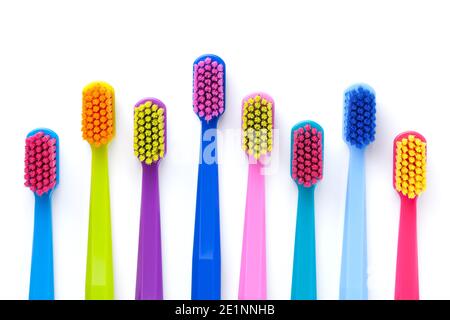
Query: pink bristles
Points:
[307, 156]
[40, 163]
[208, 89]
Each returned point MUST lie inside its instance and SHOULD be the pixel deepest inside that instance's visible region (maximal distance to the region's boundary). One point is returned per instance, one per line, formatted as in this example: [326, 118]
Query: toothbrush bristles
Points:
[257, 125]
[410, 166]
[209, 90]
[149, 131]
[307, 165]
[98, 114]
[359, 117]
[40, 163]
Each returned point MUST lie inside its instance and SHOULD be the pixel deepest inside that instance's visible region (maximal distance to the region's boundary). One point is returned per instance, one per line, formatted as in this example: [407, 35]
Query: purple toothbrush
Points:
[150, 148]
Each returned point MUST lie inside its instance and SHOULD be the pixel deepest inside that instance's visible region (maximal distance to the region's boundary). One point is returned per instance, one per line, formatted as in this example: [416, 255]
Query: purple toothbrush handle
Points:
[149, 268]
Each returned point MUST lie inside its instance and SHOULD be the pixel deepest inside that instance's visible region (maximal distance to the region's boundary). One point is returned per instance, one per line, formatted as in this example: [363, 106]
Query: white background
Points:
[303, 53]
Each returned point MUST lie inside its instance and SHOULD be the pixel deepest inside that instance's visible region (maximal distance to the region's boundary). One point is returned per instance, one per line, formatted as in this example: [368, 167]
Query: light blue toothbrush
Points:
[359, 132]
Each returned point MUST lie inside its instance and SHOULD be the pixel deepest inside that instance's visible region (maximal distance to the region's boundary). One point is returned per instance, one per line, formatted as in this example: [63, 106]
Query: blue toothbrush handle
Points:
[206, 274]
[41, 279]
[304, 272]
[354, 251]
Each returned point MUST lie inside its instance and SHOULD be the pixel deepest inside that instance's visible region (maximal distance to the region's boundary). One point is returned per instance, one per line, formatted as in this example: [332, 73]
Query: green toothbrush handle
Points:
[99, 270]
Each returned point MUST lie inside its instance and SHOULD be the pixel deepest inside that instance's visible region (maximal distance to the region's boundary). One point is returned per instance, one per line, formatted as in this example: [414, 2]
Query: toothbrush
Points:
[98, 130]
[257, 137]
[359, 132]
[410, 156]
[209, 104]
[149, 147]
[42, 177]
[306, 170]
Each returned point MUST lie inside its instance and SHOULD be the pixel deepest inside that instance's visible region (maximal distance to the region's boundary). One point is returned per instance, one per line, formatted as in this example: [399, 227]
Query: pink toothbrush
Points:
[257, 129]
[410, 152]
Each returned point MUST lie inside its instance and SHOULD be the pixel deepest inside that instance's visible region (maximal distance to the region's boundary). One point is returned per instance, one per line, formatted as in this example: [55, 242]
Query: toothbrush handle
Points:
[149, 268]
[206, 268]
[41, 279]
[354, 252]
[252, 284]
[304, 273]
[407, 275]
[99, 271]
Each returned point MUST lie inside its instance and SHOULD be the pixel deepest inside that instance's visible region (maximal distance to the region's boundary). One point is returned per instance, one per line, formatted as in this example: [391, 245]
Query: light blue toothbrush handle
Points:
[41, 279]
[354, 251]
[304, 272]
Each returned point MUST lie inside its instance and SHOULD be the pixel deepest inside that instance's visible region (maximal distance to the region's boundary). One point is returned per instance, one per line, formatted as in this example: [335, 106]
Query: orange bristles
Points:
[98, 113]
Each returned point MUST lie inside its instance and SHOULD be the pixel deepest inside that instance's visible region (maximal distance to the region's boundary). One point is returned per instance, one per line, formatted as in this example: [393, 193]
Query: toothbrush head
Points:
[150, 130]
[41, 161]
[410, 159]
[359, 116]
[209, 87]
[257, 124]
[307, 153]
[98, 114]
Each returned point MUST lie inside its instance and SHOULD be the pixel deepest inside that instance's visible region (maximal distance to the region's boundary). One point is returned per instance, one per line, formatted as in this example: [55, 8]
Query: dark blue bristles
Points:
[359, 116]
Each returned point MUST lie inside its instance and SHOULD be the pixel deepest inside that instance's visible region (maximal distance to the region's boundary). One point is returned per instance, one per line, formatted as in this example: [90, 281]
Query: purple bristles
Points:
[209, 92]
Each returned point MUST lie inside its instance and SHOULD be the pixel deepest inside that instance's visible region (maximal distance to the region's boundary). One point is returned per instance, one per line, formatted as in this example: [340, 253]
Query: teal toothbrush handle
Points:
[41, 279]
[354, 251]
[304, 273]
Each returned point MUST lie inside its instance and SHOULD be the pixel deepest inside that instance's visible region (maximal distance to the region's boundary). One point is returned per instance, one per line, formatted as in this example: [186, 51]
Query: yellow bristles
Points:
[410, 166]
[257, 126]
[149, 132]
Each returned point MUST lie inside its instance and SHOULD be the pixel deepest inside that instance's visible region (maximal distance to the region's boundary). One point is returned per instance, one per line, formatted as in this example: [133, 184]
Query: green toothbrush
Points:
[98, 130]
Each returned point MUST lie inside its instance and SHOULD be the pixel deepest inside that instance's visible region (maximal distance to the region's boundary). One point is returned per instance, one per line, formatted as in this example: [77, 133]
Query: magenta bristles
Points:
[40, 163]
[209, 93]
[307, 163]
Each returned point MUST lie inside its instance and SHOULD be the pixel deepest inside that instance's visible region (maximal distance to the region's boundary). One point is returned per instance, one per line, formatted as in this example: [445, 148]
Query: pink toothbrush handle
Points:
[407, 277]
[252, 285]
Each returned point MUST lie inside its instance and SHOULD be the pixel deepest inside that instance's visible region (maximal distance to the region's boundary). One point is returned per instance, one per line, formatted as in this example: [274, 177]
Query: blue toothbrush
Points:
[209, 104]
[306, 170]
[359, 132]
[41, 176]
